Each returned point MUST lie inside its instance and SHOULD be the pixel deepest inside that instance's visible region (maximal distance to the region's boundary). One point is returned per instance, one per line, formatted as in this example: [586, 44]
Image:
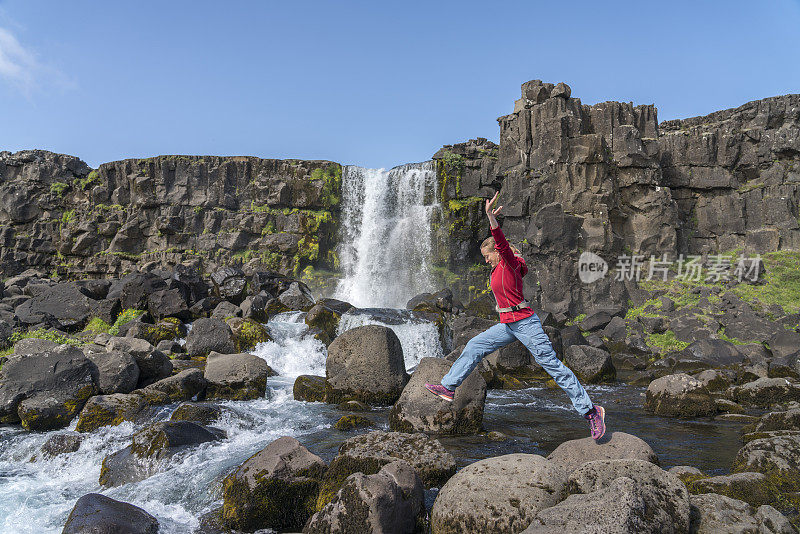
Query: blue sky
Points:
[368, 83]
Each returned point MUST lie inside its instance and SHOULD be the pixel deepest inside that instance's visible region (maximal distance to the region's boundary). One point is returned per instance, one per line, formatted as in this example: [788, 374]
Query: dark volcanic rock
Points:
[151, 450]
[591, 365]
[366, 364]
[209, 335]
[98, 514]
[44, 391]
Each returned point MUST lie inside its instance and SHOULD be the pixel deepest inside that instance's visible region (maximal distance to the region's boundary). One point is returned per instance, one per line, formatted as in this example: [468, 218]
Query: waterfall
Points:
[385, 246]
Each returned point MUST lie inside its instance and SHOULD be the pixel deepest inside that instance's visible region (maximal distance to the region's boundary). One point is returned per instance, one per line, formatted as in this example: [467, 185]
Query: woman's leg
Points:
[529, 331]
[479, 346]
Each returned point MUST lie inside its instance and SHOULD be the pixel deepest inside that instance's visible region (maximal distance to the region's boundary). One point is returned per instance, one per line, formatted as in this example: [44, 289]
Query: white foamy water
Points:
[38, 496]
[292, 353]
[419, 338]
[385, 246]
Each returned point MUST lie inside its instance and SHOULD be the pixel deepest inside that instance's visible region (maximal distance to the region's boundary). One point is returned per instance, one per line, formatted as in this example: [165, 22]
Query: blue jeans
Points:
[529, 331]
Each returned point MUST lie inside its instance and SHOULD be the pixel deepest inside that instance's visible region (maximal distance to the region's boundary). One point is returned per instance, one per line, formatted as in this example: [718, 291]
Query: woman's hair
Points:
[489, 244]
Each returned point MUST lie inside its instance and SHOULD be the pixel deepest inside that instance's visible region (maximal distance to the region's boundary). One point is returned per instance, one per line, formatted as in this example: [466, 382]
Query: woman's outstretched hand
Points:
[492, 213]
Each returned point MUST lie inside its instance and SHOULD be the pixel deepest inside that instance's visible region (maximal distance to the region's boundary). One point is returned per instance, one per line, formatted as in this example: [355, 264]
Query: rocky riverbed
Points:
[244, 403]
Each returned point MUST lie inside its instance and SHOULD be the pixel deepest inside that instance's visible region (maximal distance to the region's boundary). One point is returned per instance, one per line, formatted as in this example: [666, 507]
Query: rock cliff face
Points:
[606, 178]
[59, 215]
[609, 179]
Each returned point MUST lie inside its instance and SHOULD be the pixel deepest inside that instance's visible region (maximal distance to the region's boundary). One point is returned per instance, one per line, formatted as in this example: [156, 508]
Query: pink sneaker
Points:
[441, 391]
[597, 422]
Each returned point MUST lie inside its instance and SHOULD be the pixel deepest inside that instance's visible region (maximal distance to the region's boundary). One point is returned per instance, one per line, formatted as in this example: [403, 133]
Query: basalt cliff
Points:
[606, 178]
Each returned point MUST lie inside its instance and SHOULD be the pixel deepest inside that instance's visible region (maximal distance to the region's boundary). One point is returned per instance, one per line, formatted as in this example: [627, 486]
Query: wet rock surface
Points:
[417, 410]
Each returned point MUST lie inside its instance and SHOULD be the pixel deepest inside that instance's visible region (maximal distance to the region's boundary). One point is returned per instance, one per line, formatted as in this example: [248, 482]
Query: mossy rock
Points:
[167, 329]
[247, 333]
[351, 422]
[275, 488]
[353, 406]
[323, 318]
[753, 488]
[110, 410]
[342, 467]
[309, 388]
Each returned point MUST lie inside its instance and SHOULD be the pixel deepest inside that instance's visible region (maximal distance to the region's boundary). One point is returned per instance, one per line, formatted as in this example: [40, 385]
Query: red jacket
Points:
[506, 281]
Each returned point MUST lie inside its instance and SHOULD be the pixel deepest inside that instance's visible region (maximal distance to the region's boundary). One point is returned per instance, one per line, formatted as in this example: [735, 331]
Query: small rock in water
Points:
[351, 422]
[679, 395]
[310, 388]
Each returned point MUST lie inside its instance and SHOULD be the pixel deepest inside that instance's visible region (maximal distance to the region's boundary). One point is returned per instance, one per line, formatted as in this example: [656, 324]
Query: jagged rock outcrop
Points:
[609, 179]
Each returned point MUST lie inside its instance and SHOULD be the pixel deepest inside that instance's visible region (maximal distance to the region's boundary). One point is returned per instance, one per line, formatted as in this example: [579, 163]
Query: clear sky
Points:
[374, 83]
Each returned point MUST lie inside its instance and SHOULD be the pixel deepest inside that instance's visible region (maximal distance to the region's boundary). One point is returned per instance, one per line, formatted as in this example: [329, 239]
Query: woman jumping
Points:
[517, 321]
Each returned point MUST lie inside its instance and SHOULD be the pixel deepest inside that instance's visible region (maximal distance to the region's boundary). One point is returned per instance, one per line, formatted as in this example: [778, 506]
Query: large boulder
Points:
[752, 488]
[153, 364]
[765, 392]
[117, 371]
[778, 457]
[713, 513]
[625, 506]
[388, 502]
[368, 453]
[97, 514]
[615, 445]
[62, 305]
[275, 488]
[499, 494]
[787, 420]
[366, 364]
[679, 395]
[590, 364]
[712, 353]
[658, 486]
[45, 391]
[236, 376]
[151, 450]
[417, 410]
[209, 335]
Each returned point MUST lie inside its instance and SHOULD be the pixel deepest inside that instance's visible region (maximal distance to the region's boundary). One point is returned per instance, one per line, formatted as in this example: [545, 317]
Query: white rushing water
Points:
[385, 246]
[38, 496]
